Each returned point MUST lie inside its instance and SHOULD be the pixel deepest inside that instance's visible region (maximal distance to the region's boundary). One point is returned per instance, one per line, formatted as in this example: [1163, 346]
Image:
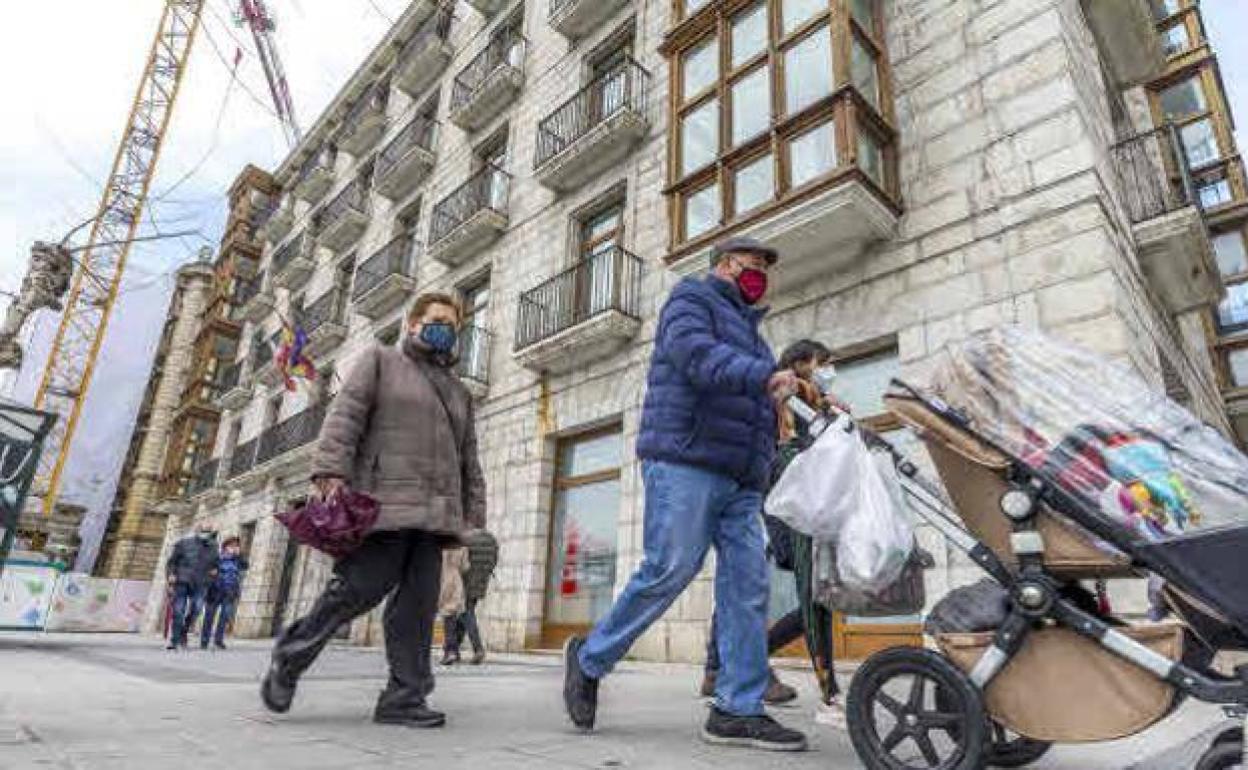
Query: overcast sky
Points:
[71, 69]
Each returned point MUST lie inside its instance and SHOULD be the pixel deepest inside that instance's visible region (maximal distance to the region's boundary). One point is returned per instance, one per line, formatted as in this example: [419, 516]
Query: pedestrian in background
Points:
[482, 559]
[190, 569]
[451, 601]
[401, 430]
[707, 440]
[222, 598]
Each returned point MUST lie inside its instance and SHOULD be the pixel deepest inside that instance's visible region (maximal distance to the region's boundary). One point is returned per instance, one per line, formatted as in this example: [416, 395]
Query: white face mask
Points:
[823, 377]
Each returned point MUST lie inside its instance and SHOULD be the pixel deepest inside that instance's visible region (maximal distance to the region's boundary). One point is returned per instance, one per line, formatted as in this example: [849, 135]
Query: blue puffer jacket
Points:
[706, 396]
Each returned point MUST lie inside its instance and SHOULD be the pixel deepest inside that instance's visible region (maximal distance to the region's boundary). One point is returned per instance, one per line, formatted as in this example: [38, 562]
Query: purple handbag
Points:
[336, 526]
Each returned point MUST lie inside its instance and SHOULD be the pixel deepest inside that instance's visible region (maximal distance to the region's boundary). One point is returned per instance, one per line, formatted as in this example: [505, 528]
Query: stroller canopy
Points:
[1166, 483]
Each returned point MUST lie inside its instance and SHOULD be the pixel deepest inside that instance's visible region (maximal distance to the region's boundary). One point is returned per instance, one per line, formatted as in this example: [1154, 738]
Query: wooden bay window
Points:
[773, 101]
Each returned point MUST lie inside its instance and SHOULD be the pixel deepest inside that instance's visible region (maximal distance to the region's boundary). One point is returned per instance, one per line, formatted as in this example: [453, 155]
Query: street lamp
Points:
[22, 431]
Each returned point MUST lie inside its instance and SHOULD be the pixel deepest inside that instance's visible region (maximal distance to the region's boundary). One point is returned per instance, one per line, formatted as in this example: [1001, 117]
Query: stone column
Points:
[194, 288]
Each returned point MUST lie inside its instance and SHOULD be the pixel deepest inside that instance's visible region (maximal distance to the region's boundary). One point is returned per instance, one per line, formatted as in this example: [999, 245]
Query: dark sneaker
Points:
[708, 685]
[277, 690]
[778, 693]
[450, 658]
[171, 646]
[760, 732]
[219, 645]
[414, 715]
[203, 645]
[478, 657]
[580, 691]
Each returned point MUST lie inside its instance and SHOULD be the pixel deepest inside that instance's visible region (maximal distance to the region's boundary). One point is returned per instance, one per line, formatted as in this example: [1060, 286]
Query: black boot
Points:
[759, 732]
[397, 707]
[580, 691]
[278, 689]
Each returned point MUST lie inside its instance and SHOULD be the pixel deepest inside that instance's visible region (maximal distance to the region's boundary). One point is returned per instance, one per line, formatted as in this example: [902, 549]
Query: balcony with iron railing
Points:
[234, 391]
[203, 478]
[294, 262]
[407, 160]
[426, 55]
[242, 459]
[490, 82]
[473, 366]
[254, 299]
[386, 279]
[316, 175]
[366, 120]
[471, 217]
[264, 364]
[324, 321]
[584, 313]
[345, 218]
[1158, 194]
[277, 220]
[279, 444]
[595, 129]
[574, 19]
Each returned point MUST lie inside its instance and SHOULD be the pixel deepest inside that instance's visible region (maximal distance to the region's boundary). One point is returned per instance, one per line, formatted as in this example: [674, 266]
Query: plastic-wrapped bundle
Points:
[1099, 429]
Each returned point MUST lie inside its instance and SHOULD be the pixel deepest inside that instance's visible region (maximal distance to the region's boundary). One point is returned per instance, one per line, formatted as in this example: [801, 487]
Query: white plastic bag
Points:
[876, 540]
[837, 491]
[820, 488]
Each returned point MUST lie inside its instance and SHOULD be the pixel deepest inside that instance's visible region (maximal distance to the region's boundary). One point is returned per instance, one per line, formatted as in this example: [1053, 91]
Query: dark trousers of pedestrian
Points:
[218, 613]
[187, 602]
[409, 562]
[464, 624]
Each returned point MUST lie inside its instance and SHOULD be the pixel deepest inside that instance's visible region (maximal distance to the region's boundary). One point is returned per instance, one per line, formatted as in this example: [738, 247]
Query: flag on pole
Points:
[292, 359]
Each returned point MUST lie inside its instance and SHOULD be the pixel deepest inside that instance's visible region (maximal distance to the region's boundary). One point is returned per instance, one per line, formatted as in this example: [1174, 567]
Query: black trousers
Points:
[409, 562]
[464, 623]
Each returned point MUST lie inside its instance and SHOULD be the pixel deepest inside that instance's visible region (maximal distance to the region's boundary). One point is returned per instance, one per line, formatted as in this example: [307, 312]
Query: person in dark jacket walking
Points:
[223, 594]
[482, 559]
[191, 568]
[706, 444]
[401, 429]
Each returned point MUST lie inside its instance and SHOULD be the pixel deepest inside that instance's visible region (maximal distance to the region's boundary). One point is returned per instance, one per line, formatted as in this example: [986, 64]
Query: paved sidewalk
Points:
[85, 702]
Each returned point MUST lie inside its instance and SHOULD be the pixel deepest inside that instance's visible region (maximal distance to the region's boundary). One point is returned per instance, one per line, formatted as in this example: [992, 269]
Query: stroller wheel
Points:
[911, 709]
[1009, 749]
[1222, 756]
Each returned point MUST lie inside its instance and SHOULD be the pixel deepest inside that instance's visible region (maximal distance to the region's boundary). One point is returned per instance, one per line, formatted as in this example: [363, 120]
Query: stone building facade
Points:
[926, 168]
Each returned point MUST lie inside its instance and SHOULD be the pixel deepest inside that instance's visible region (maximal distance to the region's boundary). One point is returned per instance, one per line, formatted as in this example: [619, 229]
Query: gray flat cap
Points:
[743, 245]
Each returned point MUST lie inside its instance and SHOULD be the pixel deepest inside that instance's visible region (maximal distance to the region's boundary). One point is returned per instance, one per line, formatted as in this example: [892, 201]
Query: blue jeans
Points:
[687, 510]
[187, 601]
[218, 613]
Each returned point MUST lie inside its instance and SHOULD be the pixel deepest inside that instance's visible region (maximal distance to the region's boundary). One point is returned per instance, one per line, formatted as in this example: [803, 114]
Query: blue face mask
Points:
[439, 336]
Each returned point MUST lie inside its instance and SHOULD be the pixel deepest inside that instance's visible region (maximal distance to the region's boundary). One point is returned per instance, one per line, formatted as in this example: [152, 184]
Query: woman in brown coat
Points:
[401, 429]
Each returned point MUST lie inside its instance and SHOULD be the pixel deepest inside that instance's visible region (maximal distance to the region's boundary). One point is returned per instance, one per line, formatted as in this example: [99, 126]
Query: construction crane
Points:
[93, 291]
[255, 15]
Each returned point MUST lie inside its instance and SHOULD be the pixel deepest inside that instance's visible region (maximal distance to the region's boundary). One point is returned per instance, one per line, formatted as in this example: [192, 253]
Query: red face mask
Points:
[752, 284]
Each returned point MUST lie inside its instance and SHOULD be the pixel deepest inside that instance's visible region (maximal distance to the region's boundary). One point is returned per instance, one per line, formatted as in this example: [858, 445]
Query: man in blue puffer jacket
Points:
[706, 445]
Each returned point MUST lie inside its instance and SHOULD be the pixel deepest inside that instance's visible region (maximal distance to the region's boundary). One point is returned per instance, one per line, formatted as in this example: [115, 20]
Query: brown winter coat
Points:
[387, 434]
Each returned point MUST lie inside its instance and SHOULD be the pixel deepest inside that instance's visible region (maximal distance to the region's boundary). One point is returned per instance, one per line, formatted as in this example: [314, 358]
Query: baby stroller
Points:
[1063, 467]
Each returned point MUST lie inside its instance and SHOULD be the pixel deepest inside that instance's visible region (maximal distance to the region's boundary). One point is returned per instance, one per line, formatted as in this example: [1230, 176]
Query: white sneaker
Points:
[832, 714]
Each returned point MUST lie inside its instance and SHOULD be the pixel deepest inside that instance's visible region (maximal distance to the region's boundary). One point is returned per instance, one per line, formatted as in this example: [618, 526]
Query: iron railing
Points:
[395, 258]
[1153, 173]
[624, 87]
[374, 98]
[243, 459]
[435, 28]
[487, 189]
[354, 198]
[602, 282]
[290, 434]
[421, 133]
[325, 309]
[323, 158]
[474, 354]
[229, 378]
[287, 254]
[505, 49]
[204, 477]
[246, 288]
[556, 7]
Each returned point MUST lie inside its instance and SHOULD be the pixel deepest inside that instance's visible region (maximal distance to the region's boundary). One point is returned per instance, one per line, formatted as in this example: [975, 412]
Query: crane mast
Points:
[255, 15]
[93, 291]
